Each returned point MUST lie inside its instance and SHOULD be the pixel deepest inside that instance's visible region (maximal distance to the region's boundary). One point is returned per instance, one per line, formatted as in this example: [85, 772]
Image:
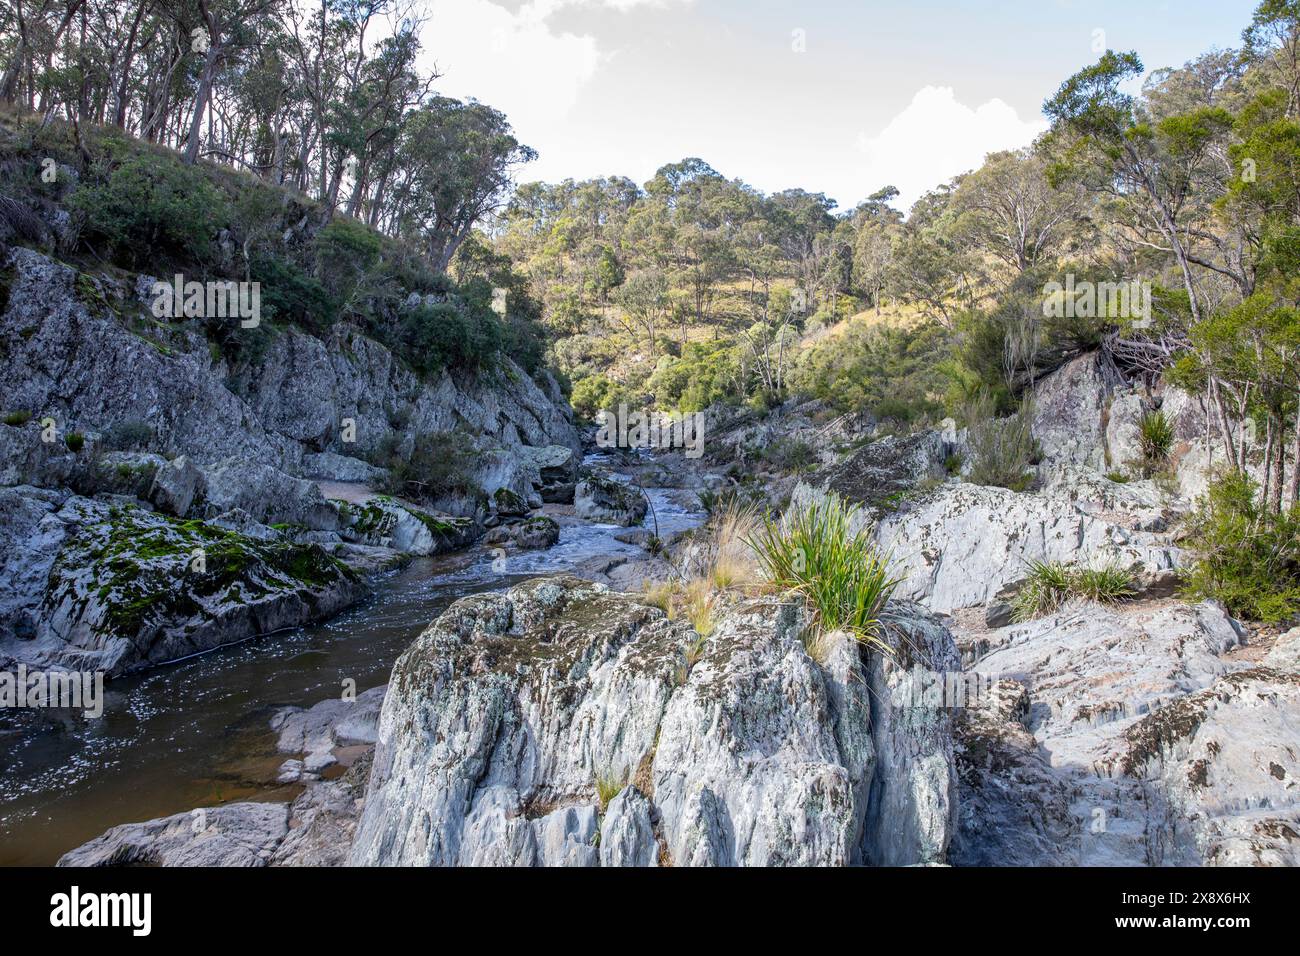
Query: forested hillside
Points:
[696, 288]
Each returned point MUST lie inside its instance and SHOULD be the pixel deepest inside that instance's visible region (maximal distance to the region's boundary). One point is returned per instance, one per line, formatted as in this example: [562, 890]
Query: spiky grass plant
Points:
[1051, 583]
[840, 573]
[1106, 585]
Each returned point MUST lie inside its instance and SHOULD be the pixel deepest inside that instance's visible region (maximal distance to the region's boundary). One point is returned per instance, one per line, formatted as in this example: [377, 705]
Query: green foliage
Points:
[17, 419]
[437, 467]
[75, 441]
[893, 372]
[1247, 557]
[1156, 440]
[814, 550]
[151, 210]
[788, 454]
[1001, 449]
[448, 335]
[347, 255]
[705, 373]
[595, 394]
[290, 294]
[1051, 583]
[129, 435]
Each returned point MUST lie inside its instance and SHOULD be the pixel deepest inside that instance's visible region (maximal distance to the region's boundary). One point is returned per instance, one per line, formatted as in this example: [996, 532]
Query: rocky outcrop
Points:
[1128, 736]
[237, 834]
[385, 522]
[600, 497]
[878, 475]
[960, 544]
[94, 585]
[522, 726]
[1069, 419]
[83, 351]
[314, 830]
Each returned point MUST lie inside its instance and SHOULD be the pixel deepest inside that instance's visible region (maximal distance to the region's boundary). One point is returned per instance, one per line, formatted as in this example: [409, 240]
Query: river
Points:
[195, 732]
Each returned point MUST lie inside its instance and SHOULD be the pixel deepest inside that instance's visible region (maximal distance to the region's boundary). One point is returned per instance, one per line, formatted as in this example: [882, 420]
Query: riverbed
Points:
[196, 732]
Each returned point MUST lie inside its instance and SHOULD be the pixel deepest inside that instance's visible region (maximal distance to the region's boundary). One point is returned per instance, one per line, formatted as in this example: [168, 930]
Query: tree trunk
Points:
[201, 103]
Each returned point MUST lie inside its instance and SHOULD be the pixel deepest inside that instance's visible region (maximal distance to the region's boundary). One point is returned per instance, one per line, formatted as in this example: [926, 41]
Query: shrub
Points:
[436, 468]
[790, 455]
[1247, 558]
[17, 419]
[130, 435]
[448, 335]
[75, 441]
[151, 209]
[1001, 449]
[596, 393]
[1051, 583]
[839, 572]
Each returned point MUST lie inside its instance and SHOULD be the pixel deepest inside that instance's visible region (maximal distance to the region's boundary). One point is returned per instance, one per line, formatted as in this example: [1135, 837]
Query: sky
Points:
[834, 96]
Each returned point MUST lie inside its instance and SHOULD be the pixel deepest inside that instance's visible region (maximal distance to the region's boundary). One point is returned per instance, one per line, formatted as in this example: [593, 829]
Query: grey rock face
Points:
[1068, 419]
[309, 406]
[1132, 740]
[511, 712]
[959, 545]
[601, 498]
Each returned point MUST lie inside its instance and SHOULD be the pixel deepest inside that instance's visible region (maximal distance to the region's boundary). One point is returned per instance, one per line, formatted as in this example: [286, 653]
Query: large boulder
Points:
[1069, 414]
[175, 486]
[113, 588]
[878, 475]
[600, 497]
[388, 523]
[267, 494]
[557, 471]
[562, 724]
[236, 834]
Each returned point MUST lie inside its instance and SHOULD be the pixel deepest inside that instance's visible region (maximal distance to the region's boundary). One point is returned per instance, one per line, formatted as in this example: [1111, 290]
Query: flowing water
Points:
[195, 733]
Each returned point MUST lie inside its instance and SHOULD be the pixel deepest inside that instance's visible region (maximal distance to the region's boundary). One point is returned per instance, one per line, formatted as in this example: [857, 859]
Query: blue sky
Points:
[838, 97]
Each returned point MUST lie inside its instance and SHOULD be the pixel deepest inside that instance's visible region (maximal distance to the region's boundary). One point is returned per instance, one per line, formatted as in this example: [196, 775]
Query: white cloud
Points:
[510, 61]
[516, 62]
[936, 137]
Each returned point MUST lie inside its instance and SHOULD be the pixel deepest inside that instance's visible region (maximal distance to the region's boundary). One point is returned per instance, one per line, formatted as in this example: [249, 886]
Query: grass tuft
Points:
[1051, 583]
[840, 573]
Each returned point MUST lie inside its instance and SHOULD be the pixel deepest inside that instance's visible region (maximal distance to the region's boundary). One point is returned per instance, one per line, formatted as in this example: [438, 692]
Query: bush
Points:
[1001, 449]
[151, 210]
[75, 441]
[129, 435]
[447, 335]
[597, 393]
[1247, 558]
[435, 469]
[838, 571]
[1052, 583]
[17, 418]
